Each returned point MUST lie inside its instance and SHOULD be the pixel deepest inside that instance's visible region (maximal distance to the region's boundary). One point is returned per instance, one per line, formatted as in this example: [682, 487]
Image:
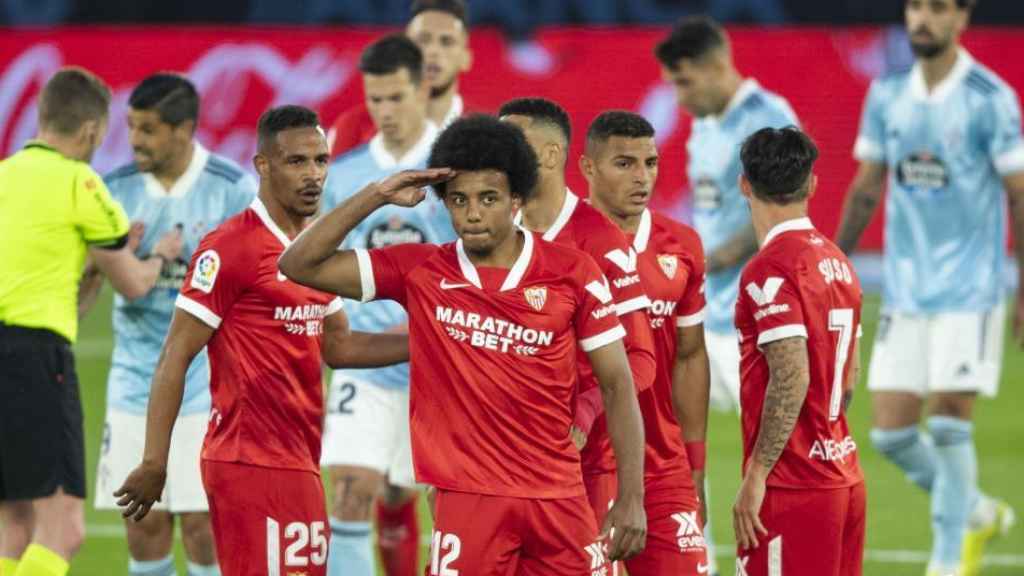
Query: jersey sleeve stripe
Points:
[866, 149]
[366, 274]
[632, 305]
[335, 306]
[691, 320]
[603, 339]
[198, 310]
[780, 332]
[1011, 161]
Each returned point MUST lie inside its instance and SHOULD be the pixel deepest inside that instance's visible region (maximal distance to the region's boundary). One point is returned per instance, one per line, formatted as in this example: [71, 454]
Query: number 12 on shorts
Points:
[308, 545]
[452, 546]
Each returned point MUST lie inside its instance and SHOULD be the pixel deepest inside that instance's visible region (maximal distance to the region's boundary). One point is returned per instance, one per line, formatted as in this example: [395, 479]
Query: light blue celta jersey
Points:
[427, 222]
[945, 215]
[211, 190]
[713, 168]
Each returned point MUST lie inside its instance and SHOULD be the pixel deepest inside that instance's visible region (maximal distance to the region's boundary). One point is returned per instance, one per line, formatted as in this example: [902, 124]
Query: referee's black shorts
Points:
[41, 438]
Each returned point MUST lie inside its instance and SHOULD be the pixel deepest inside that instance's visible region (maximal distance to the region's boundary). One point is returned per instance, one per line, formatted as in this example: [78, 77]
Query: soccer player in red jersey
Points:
[562, 217]
[495, 320]
[621, 166]
[266, 337]
[801, 506]
[441, 30]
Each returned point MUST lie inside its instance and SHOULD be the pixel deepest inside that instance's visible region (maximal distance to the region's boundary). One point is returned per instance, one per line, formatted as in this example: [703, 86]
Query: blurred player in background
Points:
[697, 59]
[441, 29]
[801, 506]
[494, 324]
[366, 434]
[621, 166]
[266, 337]
[562, 217]
[173, 186]
[945, 137]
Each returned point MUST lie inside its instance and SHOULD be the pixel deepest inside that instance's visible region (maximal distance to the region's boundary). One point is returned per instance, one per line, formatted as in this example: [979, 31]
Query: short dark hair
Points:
[692, 38]
[539, 110]
[70, 98]
[172, 96]
[391, 54]
[456, 8]
[482, 142]
[966, 4]
[283, 118]
[617, 123]
[778, 162]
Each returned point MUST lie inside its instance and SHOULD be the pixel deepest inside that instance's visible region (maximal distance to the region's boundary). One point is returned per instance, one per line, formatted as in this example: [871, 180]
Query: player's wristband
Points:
[696, 452]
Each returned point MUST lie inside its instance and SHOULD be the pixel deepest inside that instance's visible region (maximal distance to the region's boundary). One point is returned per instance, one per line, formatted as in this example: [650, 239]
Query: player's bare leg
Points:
[16, 523]
[197, 537]
[58, 530]
[149, 544]
[398, 530]
[353, 490]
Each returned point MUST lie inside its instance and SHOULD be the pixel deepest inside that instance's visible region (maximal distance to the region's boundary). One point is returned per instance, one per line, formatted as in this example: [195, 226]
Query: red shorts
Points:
[675, 537]
[267, 521]
[810, 532]
[601, 490]
[504, 536]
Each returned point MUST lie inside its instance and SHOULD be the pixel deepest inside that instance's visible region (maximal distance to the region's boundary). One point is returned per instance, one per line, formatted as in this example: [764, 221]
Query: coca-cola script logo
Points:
[236, 82]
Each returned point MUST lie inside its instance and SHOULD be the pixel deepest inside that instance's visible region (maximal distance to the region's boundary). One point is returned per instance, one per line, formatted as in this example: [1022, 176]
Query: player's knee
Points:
[354, 502]
[16, 526]
[959, 406]
[197, 536]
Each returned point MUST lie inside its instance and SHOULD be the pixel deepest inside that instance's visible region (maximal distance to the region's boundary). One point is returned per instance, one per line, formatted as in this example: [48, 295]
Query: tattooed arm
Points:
[859, 206]
[787, 389]
[735, 251]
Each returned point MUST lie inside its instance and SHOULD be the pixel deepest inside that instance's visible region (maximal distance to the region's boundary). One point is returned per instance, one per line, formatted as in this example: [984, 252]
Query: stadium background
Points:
[821, 56]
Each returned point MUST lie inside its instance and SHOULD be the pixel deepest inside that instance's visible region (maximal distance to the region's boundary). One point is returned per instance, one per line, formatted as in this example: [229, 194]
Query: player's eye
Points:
[447, 41]
[653, 163]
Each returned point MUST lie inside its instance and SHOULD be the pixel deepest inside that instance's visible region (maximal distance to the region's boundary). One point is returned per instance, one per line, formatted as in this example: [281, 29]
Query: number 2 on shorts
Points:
[308, 545]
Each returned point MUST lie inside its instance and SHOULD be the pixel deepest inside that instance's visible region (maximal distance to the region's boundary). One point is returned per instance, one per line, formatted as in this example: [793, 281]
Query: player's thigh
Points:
[184, 490]
[360, 428]
[601, 490]
[266, 521]
[852, 559]
[560, 539]
[805, 532]
[353, 490]
[475, 534]
[41, 436]
[401, 472]
[675, 537]
[899, 355]
[965, 351]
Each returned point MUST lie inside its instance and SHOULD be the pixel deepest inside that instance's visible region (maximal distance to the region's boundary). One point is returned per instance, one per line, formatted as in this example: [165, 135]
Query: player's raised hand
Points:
[746, 512]
[626, 525]
[135, 233]
[408, 187]
[169, 245]
[141, 490]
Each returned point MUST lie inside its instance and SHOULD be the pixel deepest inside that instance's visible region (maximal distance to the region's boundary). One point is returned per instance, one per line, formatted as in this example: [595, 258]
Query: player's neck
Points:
[768, 216]
[540, 213]
[504, 255]
[439, 107]
[626, 222]
[67, 146]
[290, 224]
[936, 69]
[174, 169]
[730, 86]
[399, 148]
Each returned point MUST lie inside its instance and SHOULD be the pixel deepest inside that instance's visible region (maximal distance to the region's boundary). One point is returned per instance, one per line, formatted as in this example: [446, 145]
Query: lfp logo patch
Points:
[205, 272]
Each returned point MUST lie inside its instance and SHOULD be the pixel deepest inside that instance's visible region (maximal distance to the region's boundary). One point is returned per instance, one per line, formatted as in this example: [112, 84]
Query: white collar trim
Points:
[643, 232]
[919, 89]
[261, 210]
[788, 226]
[454, 112]
[746, 89]
[185, 182]
[568, 207]
[515, 274]
[414, 157]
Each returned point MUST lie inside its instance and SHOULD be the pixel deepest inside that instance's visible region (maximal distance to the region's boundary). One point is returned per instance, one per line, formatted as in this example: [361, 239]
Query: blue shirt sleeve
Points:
[870, 144]
[1003, 140]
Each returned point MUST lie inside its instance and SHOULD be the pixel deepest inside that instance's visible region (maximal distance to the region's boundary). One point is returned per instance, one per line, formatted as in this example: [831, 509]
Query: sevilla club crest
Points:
[536, 297]
[669, 263]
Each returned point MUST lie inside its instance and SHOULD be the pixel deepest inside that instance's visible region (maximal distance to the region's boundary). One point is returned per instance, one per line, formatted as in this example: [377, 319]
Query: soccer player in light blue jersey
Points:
[696, 58]
[173, 185]
[366, 433]
[945, 138]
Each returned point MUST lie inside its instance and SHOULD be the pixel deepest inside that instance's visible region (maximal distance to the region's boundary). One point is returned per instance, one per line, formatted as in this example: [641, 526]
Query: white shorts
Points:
[948, 352]
[124, 438]
[724, 359]
[368, 426]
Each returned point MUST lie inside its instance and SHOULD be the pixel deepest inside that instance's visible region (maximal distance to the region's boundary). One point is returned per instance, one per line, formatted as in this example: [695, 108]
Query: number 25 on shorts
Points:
[306, 545]
[441, 565]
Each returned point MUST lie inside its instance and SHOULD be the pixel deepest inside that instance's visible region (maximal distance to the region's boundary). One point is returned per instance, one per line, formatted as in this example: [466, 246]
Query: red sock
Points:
[398, 538]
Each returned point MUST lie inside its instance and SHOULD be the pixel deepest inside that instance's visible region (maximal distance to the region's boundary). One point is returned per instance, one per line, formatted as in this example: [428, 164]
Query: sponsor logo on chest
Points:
[302, 319]
[491, 333]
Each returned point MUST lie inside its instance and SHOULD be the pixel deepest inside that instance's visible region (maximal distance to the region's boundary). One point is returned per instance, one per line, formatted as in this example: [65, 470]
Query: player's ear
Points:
[587, 167]
[745, 188]
[186, 128]
[261, 164]
[467, 57]
[812, 185]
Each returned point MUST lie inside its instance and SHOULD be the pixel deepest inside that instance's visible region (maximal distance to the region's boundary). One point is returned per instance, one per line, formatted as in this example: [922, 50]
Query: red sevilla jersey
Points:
[582, 226]
[354, 127]
[265, 365]
[801, 285]
[671, 265]
[493, 361]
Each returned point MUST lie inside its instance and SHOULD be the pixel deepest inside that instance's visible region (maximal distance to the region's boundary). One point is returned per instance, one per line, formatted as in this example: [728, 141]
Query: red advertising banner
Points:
[242, 71]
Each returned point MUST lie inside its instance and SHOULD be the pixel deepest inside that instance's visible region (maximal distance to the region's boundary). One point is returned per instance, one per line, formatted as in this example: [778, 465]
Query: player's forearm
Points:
[625, 429]
[787, 390]
[130, 277]
[164, 403]
[89, 289]
[734, 251]
[367, 350]
[690, 393]
[858, 208]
